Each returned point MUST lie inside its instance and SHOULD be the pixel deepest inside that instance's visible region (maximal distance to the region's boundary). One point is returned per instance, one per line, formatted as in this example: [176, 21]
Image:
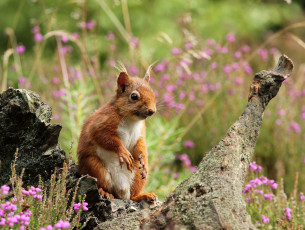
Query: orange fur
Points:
[100, 137]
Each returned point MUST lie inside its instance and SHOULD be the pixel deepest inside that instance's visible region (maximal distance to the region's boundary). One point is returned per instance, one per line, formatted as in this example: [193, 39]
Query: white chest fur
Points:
[120, 178]
[129, 132]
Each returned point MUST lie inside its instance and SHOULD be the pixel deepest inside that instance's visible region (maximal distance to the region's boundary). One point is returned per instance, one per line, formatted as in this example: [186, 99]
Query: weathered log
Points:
[211, 198]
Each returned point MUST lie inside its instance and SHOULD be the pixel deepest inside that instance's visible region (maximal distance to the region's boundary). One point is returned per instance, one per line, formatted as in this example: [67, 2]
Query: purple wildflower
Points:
[287, 213]
[110, 35]
[265, 219]
[35, 30]
[90, 25]
[230, 37]
[134, 70]
[214, 65]
[49, 227]
[161, 67]
[4, 189]
[188, 46]
[189, 144]
[176, 51]
[175, 175]
[135, 42]
[20, 49]
[62, 224]
[38, 37]
[295, 127]
[302, 197]
[268, 196]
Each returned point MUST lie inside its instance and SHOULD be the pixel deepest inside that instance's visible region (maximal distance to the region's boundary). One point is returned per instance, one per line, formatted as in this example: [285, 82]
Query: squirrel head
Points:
[135, 99]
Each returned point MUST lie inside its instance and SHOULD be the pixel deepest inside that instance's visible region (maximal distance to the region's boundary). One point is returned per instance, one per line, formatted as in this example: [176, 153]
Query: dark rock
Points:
[25, 125]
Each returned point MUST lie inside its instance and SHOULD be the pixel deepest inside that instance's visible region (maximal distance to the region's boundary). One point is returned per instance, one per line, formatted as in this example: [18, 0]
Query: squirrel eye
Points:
[134, 96]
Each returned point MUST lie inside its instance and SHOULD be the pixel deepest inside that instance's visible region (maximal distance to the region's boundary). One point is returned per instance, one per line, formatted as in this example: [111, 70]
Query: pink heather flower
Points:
[302, 197]
[230, 37]
[175, 175]
[263, 54]
[295, 127]
[281, 112]
[188, 45]
[66, 49]
[39, 197]
[224, 50]
[4, 189]
[278, 122]
[38, 37]
[55, 80]
[35, 30]
[235, 66]
[176, 51]
[64, 39]
[274, 185]
[227, 69]
[231, 91]
[171, 88]
[303, 116]
[25, 192]
[245, 48]
[76, 207]
[75, 35]
[49, 227]
[134, 70]
[182, 95]
[199, 103]
[210, 42]
[287, 213]
[62, 224]
[189, 144]
[161, 67]
[265, 219]
[21, 80]
[165, 77]
[58, 93]
[56, 117]
[248, 199]
[192, 96]
[258, 191]
[193, 168]
[85, 208]
[207, 52]
[238, 81]
[274, 51]
[90, 25]
[110, 36]
[214, 65]
[20, 49]
[237, 54]
[268, 196]
[135, 42]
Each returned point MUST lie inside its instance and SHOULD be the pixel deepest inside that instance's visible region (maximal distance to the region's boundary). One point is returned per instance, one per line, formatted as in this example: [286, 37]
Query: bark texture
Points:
[212, 197]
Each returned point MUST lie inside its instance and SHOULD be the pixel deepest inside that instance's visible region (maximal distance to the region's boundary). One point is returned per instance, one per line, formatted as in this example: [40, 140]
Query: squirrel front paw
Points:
[128, 158]
[142, 166]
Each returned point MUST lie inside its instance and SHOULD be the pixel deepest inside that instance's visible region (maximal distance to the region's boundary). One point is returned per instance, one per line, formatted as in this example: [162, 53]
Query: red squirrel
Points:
[112, 145]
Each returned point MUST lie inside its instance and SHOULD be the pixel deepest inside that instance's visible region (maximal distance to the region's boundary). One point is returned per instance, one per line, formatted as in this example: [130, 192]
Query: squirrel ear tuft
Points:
[147, 74]
[123, 80]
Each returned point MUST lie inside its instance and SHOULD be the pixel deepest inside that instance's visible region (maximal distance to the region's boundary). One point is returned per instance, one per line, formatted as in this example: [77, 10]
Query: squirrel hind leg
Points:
[105, 194]
[149, 197]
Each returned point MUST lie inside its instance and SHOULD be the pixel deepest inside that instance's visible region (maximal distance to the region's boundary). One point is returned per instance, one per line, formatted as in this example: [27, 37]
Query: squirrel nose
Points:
[150, 112]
